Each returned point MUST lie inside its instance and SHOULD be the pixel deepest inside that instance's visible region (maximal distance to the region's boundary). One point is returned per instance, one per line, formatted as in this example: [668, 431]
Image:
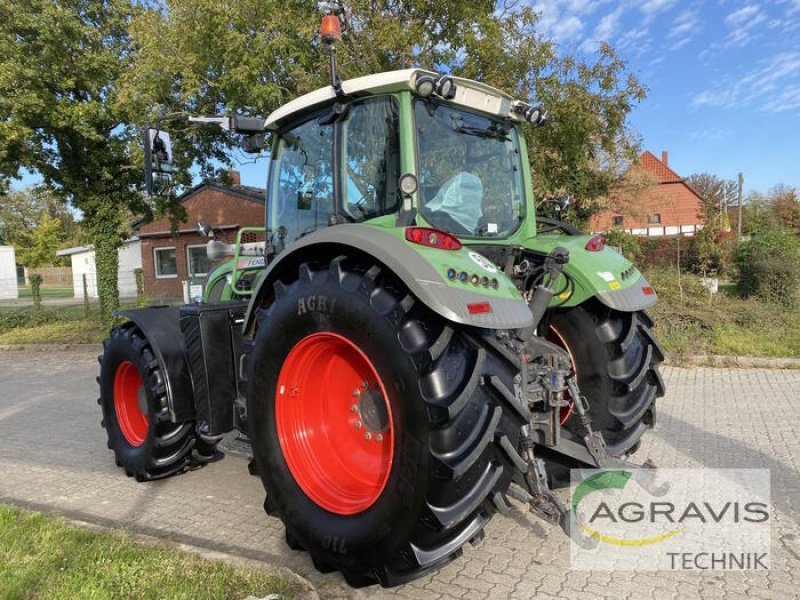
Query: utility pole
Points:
[739, 210]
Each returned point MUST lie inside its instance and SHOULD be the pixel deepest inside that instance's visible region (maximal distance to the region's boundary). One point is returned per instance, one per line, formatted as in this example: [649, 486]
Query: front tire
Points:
[441, 398]
[135, 416]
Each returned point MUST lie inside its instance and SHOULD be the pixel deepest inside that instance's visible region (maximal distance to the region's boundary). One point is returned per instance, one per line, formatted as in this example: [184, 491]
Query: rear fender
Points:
[161, 327]
[422, 270]
[604, 274]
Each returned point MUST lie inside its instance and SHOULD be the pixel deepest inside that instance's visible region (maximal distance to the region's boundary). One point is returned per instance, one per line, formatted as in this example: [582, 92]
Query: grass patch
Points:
[44, 557]
[48, 291]
[51, 325]
[694, 322]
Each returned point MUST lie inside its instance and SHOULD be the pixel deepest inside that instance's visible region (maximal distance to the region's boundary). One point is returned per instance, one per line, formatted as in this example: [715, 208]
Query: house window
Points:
[197, 259]
[166, 262]
[619, 220]
[654, 219]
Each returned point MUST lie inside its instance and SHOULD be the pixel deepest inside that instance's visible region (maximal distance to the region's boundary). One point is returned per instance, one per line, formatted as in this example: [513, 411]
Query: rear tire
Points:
[451, 416]
[134, 402]
[616, 359]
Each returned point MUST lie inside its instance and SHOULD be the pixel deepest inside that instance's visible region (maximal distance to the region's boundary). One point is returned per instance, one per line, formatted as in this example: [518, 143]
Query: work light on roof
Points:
[446, 87]
[425, 85]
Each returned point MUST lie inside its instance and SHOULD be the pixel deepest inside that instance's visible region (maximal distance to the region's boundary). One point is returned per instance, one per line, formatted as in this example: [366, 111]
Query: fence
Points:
[65, 286]
[51, 276]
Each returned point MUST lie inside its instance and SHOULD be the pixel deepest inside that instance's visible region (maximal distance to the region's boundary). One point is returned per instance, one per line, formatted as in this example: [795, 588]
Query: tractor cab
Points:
[405, 146]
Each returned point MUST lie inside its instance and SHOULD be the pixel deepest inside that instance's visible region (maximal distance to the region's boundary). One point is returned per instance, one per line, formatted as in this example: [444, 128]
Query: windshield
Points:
[469, 172]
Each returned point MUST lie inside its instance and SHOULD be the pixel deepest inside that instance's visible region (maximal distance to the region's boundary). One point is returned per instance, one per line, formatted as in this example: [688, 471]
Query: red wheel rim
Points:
[554, 336]
[334, 423]
[128, 390]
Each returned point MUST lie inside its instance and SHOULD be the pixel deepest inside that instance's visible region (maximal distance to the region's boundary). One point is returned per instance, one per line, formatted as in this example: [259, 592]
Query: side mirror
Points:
[205, 230]
[305, 193]
[158, 165]
[563, 203]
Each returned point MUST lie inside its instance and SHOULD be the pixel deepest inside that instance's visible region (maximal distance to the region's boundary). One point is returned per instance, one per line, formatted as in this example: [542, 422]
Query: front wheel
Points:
[385, 437]
[135, 416]
[616, 360]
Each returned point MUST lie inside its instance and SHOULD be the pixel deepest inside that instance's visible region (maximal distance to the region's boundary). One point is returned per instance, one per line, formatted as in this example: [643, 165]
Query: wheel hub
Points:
[372, 410]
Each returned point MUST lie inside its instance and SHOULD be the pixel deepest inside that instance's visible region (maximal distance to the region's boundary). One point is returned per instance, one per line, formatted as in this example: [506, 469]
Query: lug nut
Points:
[356, 392]
[364, 385]
[358, 424]
[353, 408]
[368, 436]
[379, 438]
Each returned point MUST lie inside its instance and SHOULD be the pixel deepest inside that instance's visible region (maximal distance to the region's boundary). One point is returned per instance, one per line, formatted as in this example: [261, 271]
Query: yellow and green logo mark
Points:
[611, 480]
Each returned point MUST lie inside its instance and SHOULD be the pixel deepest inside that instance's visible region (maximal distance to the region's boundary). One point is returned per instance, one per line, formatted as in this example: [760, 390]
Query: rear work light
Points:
[596, 243]
[432, 238]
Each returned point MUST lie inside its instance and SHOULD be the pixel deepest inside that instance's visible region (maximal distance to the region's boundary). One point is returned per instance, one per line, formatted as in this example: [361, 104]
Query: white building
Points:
[83, 266]
[8, 274]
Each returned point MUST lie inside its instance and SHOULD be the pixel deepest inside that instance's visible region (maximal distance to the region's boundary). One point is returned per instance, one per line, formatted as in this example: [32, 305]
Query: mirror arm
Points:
[235, 124]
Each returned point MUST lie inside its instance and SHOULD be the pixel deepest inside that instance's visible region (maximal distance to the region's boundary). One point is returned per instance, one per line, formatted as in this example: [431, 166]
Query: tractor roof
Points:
[471, 94]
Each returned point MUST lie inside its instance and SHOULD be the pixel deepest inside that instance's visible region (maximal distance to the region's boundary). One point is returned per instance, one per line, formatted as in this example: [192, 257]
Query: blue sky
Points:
[723, 78]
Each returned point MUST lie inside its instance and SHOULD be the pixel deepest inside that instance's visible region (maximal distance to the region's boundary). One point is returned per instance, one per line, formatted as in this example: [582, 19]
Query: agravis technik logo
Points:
[671, 519]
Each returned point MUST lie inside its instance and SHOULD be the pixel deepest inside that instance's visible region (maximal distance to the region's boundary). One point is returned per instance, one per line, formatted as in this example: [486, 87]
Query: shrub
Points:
[768, 266]
[627, 244]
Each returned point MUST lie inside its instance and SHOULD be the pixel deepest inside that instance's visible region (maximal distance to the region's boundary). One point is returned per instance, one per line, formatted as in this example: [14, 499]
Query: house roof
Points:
[89, 248]
[244, 192]
[74, 250]
[664, 174]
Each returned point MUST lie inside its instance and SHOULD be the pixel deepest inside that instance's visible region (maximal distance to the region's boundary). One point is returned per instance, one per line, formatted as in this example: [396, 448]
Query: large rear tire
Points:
[441, 399]
[616, 359]
[133, 398]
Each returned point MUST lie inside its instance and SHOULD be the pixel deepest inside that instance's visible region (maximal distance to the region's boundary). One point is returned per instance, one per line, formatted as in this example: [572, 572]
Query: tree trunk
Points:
[107, 266]
[105, 233]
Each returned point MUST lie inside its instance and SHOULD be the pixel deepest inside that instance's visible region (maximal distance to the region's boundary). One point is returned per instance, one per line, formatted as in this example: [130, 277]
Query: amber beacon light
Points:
[330, 30]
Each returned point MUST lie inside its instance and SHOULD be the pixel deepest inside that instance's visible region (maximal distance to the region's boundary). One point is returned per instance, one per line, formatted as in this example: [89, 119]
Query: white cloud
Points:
[743, 25]
[788, 99]
[605, 30]
[685, 27]
[773, 86]
[742, 16]
[653, 7]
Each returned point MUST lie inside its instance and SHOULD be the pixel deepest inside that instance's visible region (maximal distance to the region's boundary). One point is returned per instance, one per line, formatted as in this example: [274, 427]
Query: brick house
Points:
[169, 259]
[663, 204]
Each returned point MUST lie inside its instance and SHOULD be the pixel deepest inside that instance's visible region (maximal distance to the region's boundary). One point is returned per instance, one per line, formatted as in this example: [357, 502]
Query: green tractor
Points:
[404, 349]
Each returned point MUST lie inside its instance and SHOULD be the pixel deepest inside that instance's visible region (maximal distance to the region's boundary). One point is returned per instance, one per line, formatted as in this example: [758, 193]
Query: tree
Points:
[717, 195]
[778, 208]
[39, 247]
[785, 206]
[253, 55]
[21, 213]
[59, 68]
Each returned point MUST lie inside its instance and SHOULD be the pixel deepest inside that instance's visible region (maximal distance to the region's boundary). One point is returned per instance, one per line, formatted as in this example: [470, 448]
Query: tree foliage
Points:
[59, 110]
[22, 212]
[778, 208]
[253, 55]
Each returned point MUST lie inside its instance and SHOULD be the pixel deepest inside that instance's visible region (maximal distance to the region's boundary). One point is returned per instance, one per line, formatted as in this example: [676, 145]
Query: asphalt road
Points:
[53, 457]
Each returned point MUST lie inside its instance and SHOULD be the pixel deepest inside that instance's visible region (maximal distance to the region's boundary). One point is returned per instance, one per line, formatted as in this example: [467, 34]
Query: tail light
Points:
[432, 238]
[596, 243]
[479, 308]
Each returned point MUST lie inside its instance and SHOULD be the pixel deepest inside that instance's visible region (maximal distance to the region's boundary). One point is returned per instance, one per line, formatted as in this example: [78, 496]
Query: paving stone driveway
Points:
[53, 457]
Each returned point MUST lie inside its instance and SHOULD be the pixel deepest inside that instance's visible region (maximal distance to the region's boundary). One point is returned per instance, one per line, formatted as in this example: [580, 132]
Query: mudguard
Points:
[161, 326]
[420, 268]
[604, 274]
